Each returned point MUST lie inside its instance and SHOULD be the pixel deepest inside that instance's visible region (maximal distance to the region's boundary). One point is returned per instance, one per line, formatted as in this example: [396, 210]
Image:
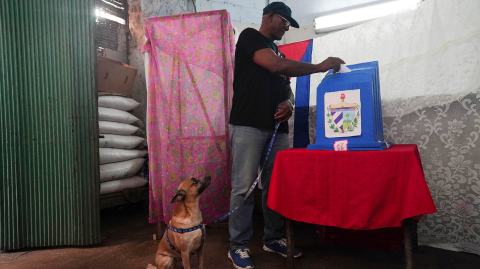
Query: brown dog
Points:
[186, 215]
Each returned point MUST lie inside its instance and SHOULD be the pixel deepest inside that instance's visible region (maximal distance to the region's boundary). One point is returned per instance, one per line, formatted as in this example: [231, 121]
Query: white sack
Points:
[114, 171]
[117, 102]
[120, 141]
[118, 155]
[122, 184]
[116, 115]
[109, 127]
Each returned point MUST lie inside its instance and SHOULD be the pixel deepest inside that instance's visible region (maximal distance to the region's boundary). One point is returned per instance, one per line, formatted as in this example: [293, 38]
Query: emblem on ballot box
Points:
[342, 119]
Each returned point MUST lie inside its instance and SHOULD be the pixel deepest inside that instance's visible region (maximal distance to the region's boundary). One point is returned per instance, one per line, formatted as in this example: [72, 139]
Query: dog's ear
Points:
[180, 196]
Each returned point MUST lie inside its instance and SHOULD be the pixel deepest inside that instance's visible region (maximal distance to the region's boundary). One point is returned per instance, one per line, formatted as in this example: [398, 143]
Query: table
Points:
[358, 190]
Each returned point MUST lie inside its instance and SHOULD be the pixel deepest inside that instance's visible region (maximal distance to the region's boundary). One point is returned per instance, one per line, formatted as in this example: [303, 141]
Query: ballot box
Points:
[349, 110]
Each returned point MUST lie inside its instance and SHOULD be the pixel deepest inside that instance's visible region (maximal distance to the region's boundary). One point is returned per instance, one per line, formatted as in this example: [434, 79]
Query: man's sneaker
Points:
[280, 247]
[241, 258]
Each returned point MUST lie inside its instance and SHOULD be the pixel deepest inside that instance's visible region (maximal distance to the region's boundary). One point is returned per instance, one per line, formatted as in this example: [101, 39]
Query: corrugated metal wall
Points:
[48, 123]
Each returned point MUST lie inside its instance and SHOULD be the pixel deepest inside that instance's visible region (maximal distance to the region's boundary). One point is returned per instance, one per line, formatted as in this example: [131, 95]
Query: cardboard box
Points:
[114, 76]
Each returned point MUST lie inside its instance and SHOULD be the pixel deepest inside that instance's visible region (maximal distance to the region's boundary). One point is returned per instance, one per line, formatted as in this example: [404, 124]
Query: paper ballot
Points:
[344, 69]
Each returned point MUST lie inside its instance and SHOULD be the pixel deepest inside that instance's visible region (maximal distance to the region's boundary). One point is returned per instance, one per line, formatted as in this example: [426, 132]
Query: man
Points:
[262, 95]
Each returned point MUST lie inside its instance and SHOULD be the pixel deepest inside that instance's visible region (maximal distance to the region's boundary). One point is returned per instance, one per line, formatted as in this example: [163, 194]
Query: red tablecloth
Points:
[357, 190]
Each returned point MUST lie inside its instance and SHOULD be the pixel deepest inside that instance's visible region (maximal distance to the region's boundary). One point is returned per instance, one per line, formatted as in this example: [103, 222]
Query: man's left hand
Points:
[284, 111]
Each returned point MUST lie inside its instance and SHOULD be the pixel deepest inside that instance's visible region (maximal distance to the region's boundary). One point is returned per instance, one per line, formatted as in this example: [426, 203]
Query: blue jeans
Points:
[249, 146]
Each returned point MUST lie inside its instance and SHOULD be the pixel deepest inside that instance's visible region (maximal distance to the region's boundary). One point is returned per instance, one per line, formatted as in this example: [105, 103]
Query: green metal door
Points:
[48, 124]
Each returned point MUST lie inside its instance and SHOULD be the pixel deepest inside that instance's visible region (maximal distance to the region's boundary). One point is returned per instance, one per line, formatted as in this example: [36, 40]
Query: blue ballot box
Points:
[349, 110]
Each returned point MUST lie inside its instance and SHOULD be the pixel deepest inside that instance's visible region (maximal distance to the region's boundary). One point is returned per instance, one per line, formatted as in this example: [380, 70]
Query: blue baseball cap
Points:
[281, 9]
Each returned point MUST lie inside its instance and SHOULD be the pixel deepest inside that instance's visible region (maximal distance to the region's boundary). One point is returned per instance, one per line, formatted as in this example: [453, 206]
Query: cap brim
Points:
[293, 22]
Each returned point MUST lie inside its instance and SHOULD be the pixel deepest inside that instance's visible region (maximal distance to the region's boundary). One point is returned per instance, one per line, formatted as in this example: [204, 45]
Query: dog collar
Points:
[182, 231]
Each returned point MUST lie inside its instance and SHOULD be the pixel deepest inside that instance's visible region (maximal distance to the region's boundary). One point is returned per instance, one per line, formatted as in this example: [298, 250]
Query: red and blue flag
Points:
[300, 51]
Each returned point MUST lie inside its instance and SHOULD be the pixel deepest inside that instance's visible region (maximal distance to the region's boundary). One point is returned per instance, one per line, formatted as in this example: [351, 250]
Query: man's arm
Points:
[289, 95]
[285, 108]
[276, 65]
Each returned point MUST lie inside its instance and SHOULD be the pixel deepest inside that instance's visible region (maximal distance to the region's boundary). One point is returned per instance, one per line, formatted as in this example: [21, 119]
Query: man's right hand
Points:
[331, 63]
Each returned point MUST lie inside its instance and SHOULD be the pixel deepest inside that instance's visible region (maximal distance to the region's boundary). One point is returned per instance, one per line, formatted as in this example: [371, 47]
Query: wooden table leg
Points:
[289, 234]
[160, 229]
[408, 232]
[413, 225]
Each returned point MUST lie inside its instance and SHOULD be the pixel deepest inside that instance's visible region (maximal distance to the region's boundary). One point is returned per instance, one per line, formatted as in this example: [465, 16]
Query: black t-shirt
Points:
[256, 92]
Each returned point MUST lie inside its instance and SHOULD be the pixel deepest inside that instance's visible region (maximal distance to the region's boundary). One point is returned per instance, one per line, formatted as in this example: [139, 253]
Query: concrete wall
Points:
[245, 11]
[305, 11]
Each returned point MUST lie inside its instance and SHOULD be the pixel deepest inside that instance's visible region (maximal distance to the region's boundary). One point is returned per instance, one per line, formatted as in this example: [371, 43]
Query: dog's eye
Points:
[194, 181]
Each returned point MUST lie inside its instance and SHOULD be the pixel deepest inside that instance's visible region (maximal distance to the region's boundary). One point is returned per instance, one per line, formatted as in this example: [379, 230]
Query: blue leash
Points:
[200, 226]
[277, 124]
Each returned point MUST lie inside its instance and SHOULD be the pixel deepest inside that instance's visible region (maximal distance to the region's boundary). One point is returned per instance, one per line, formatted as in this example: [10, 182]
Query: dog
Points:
[185, 235]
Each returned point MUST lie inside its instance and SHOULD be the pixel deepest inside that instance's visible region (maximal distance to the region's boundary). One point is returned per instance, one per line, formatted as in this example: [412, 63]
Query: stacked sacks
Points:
[120, 158]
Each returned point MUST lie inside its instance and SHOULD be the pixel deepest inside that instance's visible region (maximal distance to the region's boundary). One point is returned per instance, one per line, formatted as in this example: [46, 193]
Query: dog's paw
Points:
[150, 266]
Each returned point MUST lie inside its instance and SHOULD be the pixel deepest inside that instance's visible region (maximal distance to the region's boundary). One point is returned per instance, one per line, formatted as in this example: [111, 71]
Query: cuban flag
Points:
[300, 51]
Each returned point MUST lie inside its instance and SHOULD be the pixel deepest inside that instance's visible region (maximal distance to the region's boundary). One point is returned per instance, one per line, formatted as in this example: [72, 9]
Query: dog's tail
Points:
[150, 266]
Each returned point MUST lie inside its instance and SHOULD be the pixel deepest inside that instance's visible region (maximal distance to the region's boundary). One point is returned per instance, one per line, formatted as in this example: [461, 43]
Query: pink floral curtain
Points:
[190, 85]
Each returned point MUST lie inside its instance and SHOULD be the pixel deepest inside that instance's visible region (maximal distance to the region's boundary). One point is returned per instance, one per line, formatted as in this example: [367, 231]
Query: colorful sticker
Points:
[342, 114]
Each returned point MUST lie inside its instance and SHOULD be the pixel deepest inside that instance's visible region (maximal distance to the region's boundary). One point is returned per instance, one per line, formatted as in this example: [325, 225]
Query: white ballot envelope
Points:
[344, 69]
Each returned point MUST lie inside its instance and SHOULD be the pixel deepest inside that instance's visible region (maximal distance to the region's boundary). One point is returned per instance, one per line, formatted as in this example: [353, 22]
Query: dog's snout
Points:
[208, 179]
[205, 182]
